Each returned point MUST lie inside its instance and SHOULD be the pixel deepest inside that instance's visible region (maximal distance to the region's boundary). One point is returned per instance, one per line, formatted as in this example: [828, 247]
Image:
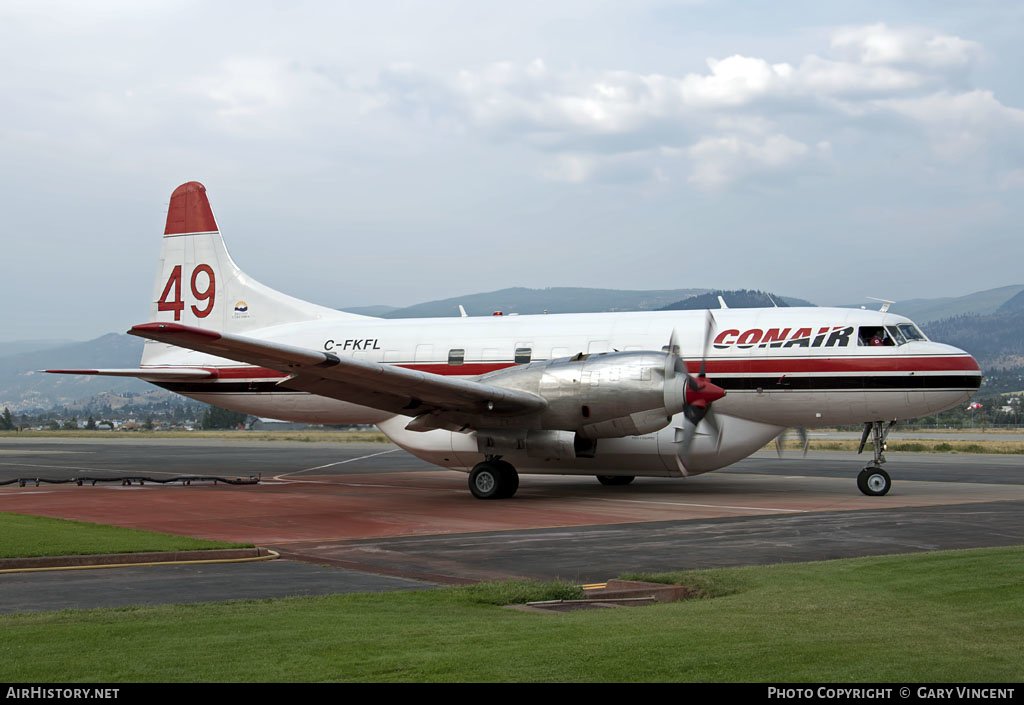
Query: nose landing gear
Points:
[873, 480]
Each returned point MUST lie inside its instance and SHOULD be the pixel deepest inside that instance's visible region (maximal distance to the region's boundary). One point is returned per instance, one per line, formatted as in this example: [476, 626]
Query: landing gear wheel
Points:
[493, 480]
[613, 480]
[874, 481]
[485, 481]
[509, 479]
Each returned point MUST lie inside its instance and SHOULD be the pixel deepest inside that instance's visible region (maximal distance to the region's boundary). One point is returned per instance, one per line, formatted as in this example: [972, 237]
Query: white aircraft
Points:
[615, 395]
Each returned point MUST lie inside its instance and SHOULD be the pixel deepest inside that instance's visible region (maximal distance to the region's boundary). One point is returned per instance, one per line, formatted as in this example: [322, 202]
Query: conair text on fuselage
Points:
[821, 337]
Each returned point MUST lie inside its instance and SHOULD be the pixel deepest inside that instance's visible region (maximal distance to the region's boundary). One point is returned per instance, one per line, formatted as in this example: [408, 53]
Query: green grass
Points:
[23, 536]
[933, 617]
[329, 436]
[987, 446]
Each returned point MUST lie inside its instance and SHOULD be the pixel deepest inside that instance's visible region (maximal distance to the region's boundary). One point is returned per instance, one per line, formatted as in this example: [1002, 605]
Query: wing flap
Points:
[386, 387]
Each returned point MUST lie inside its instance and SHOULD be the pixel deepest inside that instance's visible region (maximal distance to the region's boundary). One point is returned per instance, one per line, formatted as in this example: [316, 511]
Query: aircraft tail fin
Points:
[198, 284]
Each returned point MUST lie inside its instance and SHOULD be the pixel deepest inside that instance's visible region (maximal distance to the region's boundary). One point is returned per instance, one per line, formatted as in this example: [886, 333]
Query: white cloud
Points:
[589, 124]
[736, 80]
[718, 161]
[818, 77]
[879, 44]
[585, 117]
[961, 124]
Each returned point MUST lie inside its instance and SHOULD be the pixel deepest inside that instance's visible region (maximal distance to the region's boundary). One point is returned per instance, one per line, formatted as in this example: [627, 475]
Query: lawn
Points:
[23, 536]
[934, 617]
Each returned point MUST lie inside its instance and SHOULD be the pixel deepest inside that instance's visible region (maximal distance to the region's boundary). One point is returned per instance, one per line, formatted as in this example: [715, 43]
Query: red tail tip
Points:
[189, 211]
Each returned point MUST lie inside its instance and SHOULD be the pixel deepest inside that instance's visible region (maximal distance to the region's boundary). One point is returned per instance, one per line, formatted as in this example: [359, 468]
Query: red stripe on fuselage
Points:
[960, 363]
[858, 364]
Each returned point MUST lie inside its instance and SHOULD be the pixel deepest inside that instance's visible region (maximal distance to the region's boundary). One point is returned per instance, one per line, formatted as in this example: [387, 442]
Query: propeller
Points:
[801, 432]
[698, 394]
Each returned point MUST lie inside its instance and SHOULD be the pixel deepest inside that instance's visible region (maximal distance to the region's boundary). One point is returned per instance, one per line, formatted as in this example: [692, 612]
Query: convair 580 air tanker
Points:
[614, 395]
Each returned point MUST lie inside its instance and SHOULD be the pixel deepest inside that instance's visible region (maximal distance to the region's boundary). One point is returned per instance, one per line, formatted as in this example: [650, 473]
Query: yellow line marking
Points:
[271, 555]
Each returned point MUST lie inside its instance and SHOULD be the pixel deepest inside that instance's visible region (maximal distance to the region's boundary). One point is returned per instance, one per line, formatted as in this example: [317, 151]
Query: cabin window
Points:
[456, 356]
[523, 355]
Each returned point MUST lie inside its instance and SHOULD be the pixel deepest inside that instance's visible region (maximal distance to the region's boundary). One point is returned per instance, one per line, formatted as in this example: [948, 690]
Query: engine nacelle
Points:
[545, 445]
[606, 395]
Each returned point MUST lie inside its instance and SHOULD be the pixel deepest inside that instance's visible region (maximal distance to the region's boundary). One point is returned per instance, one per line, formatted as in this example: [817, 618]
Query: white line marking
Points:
[281, 477]
[56, 467]
[709, 506]
[97, 470]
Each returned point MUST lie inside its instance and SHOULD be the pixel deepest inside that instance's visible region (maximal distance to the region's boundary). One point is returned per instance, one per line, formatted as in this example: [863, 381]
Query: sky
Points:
[400, 152]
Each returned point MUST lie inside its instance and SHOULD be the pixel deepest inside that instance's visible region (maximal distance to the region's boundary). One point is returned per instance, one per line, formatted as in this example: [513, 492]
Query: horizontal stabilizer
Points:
[154, 374]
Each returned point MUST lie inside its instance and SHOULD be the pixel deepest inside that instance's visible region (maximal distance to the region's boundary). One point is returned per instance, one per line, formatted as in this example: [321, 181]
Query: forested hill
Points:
[553, 300]
[1012, 305]
[996, 340]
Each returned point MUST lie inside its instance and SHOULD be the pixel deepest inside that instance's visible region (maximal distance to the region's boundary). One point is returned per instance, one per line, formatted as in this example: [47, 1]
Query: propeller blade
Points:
[709, 325]
[711, 421]
[801, 433]
[692, 418]
[698, 393]
[684, 437]
[672, 360]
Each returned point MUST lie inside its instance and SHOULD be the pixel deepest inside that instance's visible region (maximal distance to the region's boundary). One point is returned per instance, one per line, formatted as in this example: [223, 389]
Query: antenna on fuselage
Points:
[721, 302]
[462, 312]
[885, 303]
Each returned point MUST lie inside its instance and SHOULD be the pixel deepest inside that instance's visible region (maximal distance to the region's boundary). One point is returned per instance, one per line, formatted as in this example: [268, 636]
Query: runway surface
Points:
[383, 520]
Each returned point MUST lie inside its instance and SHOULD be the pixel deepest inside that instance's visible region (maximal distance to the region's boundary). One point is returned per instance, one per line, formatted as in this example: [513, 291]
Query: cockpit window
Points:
[911, 332]
[874, 336]
[894, 331]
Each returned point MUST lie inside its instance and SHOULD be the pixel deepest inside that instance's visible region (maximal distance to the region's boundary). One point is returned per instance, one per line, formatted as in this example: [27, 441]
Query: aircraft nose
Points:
[964, 360]
[970, 362]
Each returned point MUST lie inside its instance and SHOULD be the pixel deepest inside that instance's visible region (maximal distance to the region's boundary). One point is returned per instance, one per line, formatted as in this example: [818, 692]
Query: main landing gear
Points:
[493, 479]
[615, 480]
[873, 480]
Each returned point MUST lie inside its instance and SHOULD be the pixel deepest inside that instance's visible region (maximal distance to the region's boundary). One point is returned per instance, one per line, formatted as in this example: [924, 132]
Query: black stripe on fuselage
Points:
[871, 382]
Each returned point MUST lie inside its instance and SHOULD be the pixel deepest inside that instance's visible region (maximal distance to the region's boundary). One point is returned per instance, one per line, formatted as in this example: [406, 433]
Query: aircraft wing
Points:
[385, 387]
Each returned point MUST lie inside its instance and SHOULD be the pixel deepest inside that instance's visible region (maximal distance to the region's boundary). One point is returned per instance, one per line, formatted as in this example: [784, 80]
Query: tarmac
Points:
[368, 517]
